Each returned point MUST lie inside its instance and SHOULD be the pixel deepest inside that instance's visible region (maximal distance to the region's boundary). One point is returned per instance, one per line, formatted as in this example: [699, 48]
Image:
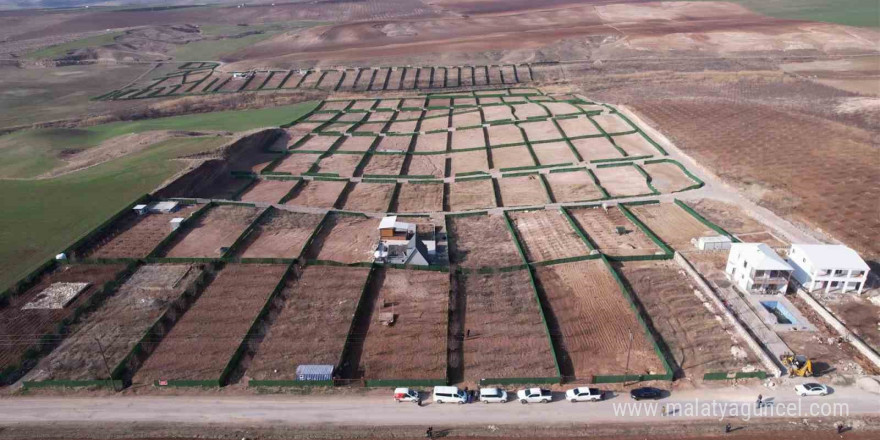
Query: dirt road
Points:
[379, 410]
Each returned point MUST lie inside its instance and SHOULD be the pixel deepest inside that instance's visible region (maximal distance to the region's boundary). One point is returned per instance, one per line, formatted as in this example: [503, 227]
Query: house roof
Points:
[388, 222]
[830, 256]
[760, 256]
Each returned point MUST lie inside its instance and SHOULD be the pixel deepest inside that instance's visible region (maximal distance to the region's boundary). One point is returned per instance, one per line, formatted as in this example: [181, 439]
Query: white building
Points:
[401, 243]
[828, 267]
[756, 268]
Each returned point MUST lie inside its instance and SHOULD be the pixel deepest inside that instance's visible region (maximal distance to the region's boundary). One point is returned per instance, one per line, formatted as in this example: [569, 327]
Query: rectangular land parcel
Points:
[203, 342]
[595, 320]
[413, 346]
[313, 325]
[506, 333]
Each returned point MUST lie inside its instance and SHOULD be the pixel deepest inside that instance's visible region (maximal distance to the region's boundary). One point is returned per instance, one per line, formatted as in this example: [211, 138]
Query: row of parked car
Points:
[451, 394]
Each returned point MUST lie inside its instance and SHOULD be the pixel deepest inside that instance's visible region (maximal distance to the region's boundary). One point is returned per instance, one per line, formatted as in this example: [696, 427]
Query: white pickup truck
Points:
[584, 394]
[534, 395]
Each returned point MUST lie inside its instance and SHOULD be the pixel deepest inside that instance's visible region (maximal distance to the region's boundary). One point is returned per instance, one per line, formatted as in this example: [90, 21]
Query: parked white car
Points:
[449, 395]
[493, 395]
[584, 394]
[534, 395]
[406, 395]
[811, 389]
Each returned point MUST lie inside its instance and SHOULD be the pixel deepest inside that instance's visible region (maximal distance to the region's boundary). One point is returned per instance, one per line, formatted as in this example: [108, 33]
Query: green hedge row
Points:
[115, 384]
[519, 380]
[290, 383]
[405, 382]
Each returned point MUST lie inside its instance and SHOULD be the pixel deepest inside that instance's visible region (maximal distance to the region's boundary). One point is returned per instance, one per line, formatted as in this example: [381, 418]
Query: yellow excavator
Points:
[798, 365]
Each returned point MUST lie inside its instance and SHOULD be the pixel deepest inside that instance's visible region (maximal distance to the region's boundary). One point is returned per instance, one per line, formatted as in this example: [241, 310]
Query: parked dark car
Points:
[646, 393]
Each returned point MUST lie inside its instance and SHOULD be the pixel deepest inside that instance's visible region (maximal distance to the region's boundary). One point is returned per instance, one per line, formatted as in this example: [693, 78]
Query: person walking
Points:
[760, 401]
[663, 412]
[727, 429]
[430, 432]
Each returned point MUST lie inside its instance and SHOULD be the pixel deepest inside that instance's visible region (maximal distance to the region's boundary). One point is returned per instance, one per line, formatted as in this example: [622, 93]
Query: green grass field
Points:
[29, 153]
[61, 49]
[849, 12]
[42, 217]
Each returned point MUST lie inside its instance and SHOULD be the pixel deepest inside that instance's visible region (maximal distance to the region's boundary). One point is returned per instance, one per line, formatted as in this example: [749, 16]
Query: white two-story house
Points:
[828, 267]
[756, 268]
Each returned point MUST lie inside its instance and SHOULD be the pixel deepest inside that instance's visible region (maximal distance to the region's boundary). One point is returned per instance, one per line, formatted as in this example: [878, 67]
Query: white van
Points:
[449, 394]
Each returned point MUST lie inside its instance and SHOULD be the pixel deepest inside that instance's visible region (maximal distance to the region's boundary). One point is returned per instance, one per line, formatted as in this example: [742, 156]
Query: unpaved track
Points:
[380, 410]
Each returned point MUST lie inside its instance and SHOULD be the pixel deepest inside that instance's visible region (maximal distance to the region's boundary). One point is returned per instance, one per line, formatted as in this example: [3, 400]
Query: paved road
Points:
[377, 409]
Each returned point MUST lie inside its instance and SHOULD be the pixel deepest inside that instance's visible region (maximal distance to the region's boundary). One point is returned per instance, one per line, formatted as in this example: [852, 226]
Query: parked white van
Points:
[493, 395]
[449, 394]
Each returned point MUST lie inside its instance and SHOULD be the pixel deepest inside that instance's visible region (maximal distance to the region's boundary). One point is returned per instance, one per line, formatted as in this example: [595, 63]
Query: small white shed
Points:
[713, 243]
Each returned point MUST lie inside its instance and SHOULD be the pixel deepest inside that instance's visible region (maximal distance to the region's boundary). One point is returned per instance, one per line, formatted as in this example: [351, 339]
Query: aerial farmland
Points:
[320, 202]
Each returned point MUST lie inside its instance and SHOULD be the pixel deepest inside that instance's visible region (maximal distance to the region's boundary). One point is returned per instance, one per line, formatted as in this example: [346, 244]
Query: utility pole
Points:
[106, 364]
[628, 351]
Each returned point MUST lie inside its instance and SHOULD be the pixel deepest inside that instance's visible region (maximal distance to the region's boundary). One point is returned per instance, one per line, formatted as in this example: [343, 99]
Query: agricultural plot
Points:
[673, 225]
[601, 227]
[573, 186]
[23, 326]
[506, 334]
[622, 181]
[318, 143]
[297, 163]
[435, 123]
[111, 332]
[388, 104]
[736, 221]
[470, 138]
[395, 77]
[562, 109]
[496, 113]
[595, 320]
[461, 102]
[508, 74]
[384, 164]
[413, 103]
[280, 234]
[318, 193]
[470, 195]
[293, 80]
[553, 153]
[505, 135]
[397, 144]
[494, 75]
[340, 164]
[311, 80]
[330, 80]
[351, 75]
[369, 197]
[469, 161]
[378, 117]
[431, 142]
[213, 233]
[667, 177]
[403, 127]
[335, 105]
[409, 80]
[357, 143]
[540, 131]
[481, 241]
[699, 339]
[427, 165]
[379, 80]
[135, 236]
[268, 191]
[612, 123]
[574, 127]
[635, 145]
[469, 117]
[467, 76]
[313, 325]
[522, 191]
[516, 100]
[511, 157]
[414, 345]
[547, 235]
[596, 148]
[353, 116]
[420, 197]
[345, 239]
[480, 77]
[204, 340]
[452, 77]
[529, 111]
